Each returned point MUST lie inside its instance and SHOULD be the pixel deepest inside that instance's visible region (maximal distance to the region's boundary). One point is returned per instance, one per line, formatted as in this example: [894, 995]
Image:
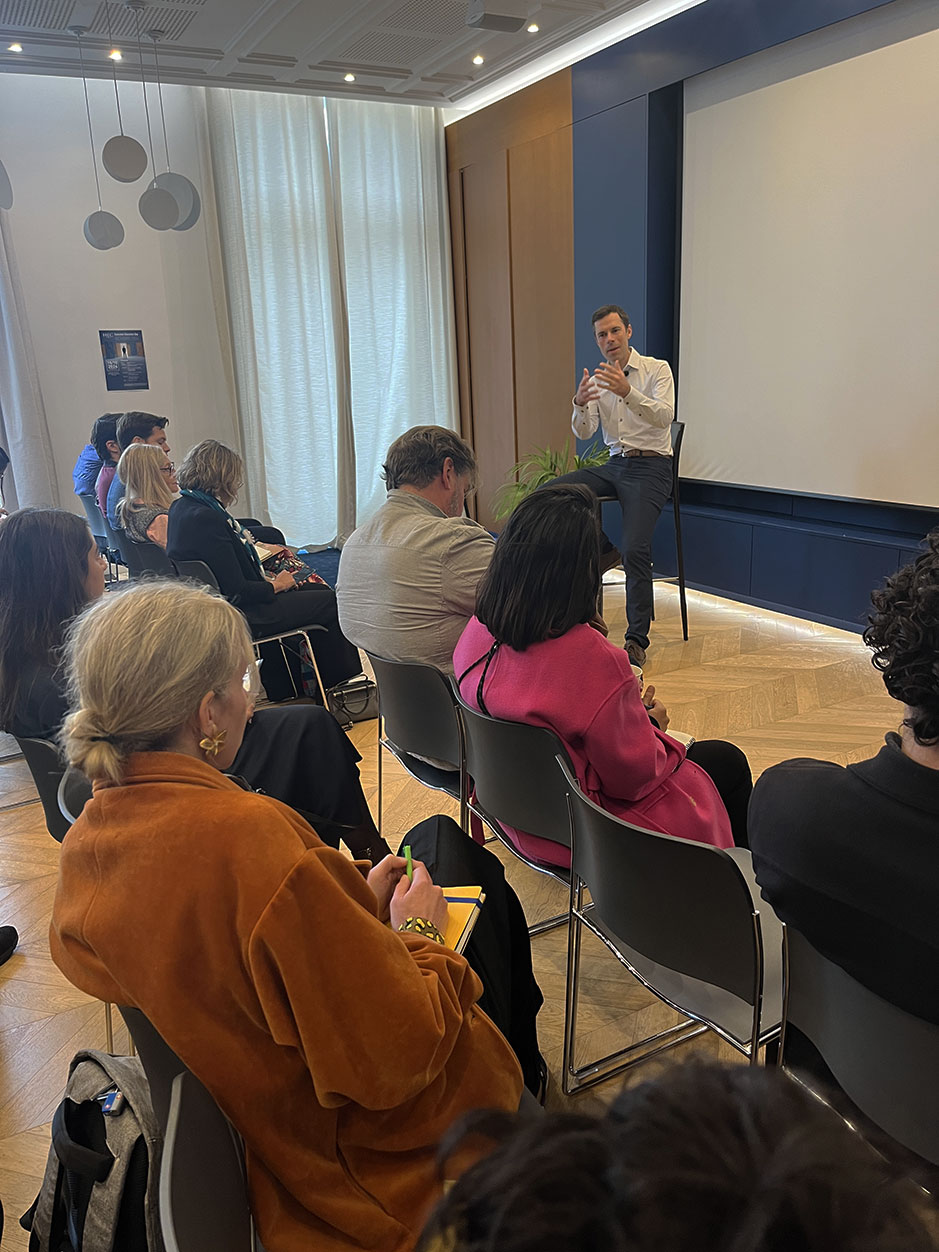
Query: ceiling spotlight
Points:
[116, 55]
[478, 60]
[533, 28]
[349, 78]
[15, 47]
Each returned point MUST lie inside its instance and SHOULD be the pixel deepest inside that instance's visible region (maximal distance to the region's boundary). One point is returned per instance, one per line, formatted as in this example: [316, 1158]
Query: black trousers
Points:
[729, 771]
[642, 484]
[499, 949]
[303, 606]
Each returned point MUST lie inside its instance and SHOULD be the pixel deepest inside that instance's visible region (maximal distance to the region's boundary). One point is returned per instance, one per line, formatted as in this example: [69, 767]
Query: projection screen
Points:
[809, 357]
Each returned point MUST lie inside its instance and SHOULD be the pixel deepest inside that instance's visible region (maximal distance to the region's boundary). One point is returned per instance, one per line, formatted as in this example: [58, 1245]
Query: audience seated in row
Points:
[340, 1050]
[201, 528]
[49, 570]
[133, 428]
[535, 652]
[408, 577]
[704, 1158]
[150, 487]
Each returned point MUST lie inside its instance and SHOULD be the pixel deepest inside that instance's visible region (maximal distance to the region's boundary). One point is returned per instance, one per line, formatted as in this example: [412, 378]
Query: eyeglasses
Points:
[251, 681]
[169, 468]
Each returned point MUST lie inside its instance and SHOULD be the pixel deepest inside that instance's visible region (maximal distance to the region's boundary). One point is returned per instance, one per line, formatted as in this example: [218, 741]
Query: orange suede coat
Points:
[340, 1050]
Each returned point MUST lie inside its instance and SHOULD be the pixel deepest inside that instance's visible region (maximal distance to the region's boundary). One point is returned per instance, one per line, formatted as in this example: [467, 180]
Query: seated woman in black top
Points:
[49, 570]
[202, 529]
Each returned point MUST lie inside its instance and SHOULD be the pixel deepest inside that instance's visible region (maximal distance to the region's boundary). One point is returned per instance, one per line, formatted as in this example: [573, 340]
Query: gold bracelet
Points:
[421, 926]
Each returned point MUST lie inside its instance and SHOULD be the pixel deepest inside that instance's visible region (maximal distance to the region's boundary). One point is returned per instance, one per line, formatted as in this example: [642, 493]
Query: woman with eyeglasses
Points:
[150, 487]
[50, 569]
[340, 1047]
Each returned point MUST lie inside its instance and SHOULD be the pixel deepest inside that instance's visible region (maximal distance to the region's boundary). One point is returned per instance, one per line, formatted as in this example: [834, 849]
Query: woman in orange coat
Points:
[340, 1047]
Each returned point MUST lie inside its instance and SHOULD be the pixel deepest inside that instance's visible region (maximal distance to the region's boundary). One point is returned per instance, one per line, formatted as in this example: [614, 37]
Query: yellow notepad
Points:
[463, 906]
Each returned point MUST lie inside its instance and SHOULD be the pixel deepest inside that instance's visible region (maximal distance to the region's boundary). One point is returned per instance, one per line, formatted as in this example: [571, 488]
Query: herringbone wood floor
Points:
[776, 686]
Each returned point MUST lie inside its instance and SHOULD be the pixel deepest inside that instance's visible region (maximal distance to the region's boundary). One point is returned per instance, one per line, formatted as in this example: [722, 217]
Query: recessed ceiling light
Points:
[534, 28]
[15, 47]
[349, 78]
[116, 55]
[478, 60]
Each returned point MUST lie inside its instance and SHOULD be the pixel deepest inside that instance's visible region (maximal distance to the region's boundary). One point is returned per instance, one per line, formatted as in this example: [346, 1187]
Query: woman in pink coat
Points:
[535, 652]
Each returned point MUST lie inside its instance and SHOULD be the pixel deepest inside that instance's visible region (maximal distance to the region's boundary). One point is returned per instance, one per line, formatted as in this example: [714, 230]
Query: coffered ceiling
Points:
[410, 50]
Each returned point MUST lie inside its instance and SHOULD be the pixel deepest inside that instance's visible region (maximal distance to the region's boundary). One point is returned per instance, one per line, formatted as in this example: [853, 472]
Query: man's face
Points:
[613, 337]
[157, 437]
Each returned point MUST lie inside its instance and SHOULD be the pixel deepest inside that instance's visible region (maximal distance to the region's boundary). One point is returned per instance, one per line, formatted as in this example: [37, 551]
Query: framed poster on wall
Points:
[125, 364]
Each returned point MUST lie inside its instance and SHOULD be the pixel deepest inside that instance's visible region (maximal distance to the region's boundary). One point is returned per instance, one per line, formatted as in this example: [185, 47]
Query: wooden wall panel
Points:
[542, 238]
[510, 184]
[489, 322]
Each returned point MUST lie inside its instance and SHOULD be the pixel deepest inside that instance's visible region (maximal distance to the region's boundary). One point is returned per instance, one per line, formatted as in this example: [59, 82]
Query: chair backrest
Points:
[196, 571]
[678, 434]
[418, 709]
[146, 558]
[95, 519]
[885, 1060]
[515, 774]
[681, 904]
[116, 541]
[203, 1192]
[47, 769]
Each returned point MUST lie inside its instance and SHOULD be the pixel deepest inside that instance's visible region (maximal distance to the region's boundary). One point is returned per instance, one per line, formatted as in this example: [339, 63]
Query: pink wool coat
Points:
[582, 687]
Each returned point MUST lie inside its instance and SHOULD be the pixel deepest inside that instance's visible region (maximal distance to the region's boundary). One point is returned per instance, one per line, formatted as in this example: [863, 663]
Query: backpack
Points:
[101, 1185]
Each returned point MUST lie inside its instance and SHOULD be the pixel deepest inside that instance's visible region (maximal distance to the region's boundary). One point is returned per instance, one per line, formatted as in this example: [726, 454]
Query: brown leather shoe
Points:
[635, 652]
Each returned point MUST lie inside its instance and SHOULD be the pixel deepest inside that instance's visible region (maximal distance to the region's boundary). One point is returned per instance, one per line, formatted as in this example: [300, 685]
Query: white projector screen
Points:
[809, 356]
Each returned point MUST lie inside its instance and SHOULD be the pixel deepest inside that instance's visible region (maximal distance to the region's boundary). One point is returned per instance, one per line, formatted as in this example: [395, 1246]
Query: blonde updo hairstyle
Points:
[214, 468]
[139, 663]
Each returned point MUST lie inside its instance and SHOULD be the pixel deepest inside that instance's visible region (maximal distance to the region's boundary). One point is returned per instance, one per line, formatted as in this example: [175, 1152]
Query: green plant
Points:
[540, 467]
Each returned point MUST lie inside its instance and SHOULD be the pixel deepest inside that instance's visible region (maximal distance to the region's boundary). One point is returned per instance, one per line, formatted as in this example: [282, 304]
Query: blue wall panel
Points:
[610, 156]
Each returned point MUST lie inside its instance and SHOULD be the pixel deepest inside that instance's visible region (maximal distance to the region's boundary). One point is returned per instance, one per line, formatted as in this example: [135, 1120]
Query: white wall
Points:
[810, 272]
[166, 283]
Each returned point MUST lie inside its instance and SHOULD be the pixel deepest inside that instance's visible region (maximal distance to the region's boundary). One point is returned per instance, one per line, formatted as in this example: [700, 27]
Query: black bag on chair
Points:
[355, 700]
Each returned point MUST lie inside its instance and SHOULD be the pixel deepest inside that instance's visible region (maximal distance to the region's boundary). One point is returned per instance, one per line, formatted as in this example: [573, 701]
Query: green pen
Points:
[409, 868]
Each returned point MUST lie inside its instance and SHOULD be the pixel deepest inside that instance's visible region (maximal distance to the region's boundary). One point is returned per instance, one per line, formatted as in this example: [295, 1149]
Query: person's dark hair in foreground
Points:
[904, 636]
[705, 1158]
[44, 556]
[544, 577]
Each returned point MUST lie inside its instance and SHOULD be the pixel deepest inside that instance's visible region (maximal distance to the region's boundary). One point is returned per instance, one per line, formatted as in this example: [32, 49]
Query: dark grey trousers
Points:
[642, 484]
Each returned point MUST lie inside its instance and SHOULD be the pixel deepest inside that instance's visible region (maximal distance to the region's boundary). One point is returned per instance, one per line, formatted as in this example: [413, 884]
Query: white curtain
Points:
[23, 428]
[336, 248]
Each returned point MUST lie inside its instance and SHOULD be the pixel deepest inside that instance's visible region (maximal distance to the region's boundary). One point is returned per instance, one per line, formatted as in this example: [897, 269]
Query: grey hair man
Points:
[407, 577]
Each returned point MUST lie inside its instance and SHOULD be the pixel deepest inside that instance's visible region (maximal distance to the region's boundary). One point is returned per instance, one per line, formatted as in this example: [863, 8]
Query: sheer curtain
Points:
[24, 431]
[336, 247]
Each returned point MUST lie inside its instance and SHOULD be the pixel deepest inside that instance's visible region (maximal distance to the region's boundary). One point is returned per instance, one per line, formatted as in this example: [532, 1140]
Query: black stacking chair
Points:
[686, 919]
[417, 710]
[886, 1061]
[203, 1184]
[48, 770]
[146, 558]
[516, 782]
[99, 530]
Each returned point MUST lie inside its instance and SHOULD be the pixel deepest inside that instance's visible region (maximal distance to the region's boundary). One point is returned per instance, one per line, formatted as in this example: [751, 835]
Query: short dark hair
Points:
[416, 457]
[705, 1156]
[605, 311]
[43, 571]
[137, 425]
[544, 577]
[903, 633]
[103, 431]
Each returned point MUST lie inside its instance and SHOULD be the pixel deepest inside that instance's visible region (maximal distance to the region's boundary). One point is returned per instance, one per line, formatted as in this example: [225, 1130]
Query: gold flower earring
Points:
[211, 746]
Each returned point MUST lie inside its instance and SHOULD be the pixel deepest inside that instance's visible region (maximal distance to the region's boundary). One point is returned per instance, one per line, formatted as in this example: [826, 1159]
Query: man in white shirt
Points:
[407, 578]
[632, 398]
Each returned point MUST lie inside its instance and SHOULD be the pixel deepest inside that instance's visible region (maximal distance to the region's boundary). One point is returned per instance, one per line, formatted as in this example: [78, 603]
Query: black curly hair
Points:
[716, 1158]
[903, 633]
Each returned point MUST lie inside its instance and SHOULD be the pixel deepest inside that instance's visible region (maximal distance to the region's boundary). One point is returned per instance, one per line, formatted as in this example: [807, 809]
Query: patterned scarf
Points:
[204, 498]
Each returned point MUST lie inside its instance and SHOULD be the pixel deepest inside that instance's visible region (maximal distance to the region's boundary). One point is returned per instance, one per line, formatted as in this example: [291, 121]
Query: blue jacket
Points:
[115, 496]
[85, 473]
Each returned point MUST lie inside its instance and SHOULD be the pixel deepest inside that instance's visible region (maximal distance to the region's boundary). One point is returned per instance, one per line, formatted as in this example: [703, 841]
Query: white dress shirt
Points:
[643, 419]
